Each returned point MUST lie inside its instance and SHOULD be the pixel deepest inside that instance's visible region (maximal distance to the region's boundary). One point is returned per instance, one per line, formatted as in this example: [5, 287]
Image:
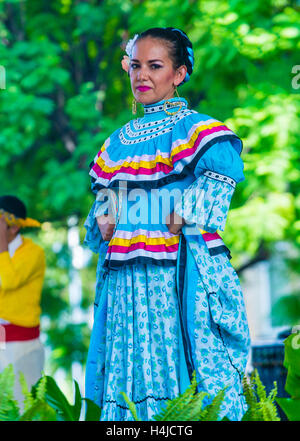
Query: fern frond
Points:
[268, 411]
[273, 393]
[260, 406]
[212, 411]
[28, 398]
[175, 407]
[41, 389]
[9, 409]
[192, 411]
[260, 388]
[195, 408]
[249, 393]
[250, 398]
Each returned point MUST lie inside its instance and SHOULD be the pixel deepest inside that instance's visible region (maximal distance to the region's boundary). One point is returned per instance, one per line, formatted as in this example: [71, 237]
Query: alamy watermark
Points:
[296, 78]
[2, 77]
[153, 207]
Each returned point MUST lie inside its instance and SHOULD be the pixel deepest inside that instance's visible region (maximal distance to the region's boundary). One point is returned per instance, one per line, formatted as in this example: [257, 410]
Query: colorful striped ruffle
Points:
[156, 246]
[183, 153]
[130, 246]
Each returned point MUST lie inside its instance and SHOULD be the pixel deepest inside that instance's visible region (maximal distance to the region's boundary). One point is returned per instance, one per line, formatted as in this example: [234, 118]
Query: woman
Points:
[168, 301]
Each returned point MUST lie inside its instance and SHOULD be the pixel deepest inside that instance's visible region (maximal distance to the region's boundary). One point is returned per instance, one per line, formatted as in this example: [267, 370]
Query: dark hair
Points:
[179, 45]
[13, 205]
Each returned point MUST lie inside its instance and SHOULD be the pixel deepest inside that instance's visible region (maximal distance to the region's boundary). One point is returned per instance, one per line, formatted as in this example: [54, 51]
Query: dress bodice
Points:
[142, 171]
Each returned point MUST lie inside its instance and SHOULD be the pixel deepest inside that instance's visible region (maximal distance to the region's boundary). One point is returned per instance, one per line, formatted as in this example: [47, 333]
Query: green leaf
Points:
[92, 412]
[292, 363]
[78, 402]
[56, 399]
[290, 407]
[131, 406]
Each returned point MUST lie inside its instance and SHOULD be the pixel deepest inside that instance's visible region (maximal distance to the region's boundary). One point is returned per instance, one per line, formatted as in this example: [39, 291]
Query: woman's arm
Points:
[206, 201]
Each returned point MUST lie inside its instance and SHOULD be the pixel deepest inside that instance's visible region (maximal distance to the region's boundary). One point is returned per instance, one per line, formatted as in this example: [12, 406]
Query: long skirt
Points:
[136, 343]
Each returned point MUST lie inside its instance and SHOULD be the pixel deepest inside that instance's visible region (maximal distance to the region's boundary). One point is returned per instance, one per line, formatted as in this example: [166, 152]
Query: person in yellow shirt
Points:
[22, 270]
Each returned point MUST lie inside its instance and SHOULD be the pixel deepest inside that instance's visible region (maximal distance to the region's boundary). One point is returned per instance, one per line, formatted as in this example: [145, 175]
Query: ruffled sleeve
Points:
[207, 200]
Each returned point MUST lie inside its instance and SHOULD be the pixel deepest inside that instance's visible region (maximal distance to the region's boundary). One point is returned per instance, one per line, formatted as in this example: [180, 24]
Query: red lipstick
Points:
[143, 88]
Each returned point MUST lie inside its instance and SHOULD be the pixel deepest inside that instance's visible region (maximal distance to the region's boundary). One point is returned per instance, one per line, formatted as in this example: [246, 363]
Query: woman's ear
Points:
[180, 75]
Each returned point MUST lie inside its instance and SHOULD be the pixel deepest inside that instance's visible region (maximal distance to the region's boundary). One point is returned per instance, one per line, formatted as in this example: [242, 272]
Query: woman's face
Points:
[152, 75]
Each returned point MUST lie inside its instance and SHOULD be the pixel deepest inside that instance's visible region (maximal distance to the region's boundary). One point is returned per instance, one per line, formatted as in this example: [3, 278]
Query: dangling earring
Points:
[176, 92]
[134, 106]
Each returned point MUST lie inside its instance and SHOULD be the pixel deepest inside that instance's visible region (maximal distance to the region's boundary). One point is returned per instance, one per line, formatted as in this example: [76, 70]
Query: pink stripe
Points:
[131, 171]
[189, 151]
[142, 245]
[211, 236]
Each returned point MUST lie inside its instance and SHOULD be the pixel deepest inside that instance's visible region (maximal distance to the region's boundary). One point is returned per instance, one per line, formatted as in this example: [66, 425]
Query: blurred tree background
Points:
[65, 92]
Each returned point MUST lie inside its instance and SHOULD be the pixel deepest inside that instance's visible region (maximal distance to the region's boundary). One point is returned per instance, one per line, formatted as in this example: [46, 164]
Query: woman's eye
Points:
[134, 66]
[156, 66]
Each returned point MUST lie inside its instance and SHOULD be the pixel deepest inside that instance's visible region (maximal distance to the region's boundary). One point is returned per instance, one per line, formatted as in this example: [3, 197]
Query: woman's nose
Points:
[142, 74]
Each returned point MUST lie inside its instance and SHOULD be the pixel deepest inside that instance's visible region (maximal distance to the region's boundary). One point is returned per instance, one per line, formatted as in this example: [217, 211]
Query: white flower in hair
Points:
[130, 44]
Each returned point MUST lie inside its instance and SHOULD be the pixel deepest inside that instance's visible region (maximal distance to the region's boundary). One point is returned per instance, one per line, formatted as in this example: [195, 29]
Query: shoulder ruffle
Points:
[156, 153]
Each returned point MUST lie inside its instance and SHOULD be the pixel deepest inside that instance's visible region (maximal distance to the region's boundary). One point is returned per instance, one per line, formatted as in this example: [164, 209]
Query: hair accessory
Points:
[190, 54]
[130, 44]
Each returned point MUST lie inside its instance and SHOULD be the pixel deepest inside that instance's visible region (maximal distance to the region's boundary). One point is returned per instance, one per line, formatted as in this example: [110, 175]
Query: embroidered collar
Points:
[172, 105]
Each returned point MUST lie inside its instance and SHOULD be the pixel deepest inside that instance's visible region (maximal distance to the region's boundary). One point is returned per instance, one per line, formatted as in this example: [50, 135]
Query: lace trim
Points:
[137, 402]
[219, 177]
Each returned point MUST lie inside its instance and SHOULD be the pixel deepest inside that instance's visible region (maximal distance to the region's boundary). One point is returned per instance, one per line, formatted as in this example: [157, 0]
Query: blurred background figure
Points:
[22, 269]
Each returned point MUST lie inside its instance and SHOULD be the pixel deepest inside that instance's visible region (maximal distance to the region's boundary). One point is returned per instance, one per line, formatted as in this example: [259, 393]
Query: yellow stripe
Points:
[159, 158]
[133, 164]
[144, 239]
[194, 137]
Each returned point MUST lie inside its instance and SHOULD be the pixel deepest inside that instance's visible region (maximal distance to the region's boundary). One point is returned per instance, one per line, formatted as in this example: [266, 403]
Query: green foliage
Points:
[35, 406]
[211, 412]
[188, 406]
[261, 407]
[9, 410]
[286, 311]
[185, 407]
[291, 406]
[60, 404]
[45, 402]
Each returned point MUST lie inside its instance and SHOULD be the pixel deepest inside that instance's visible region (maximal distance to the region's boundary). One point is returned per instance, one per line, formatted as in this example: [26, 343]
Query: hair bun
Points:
[188, 53]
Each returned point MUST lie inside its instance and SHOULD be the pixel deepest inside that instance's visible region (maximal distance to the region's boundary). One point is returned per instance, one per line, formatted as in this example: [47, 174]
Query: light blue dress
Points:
[166, 305]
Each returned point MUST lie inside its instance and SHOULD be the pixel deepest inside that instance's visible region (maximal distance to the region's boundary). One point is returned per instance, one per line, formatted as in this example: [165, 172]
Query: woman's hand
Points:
[175, 223]
[106, 224]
